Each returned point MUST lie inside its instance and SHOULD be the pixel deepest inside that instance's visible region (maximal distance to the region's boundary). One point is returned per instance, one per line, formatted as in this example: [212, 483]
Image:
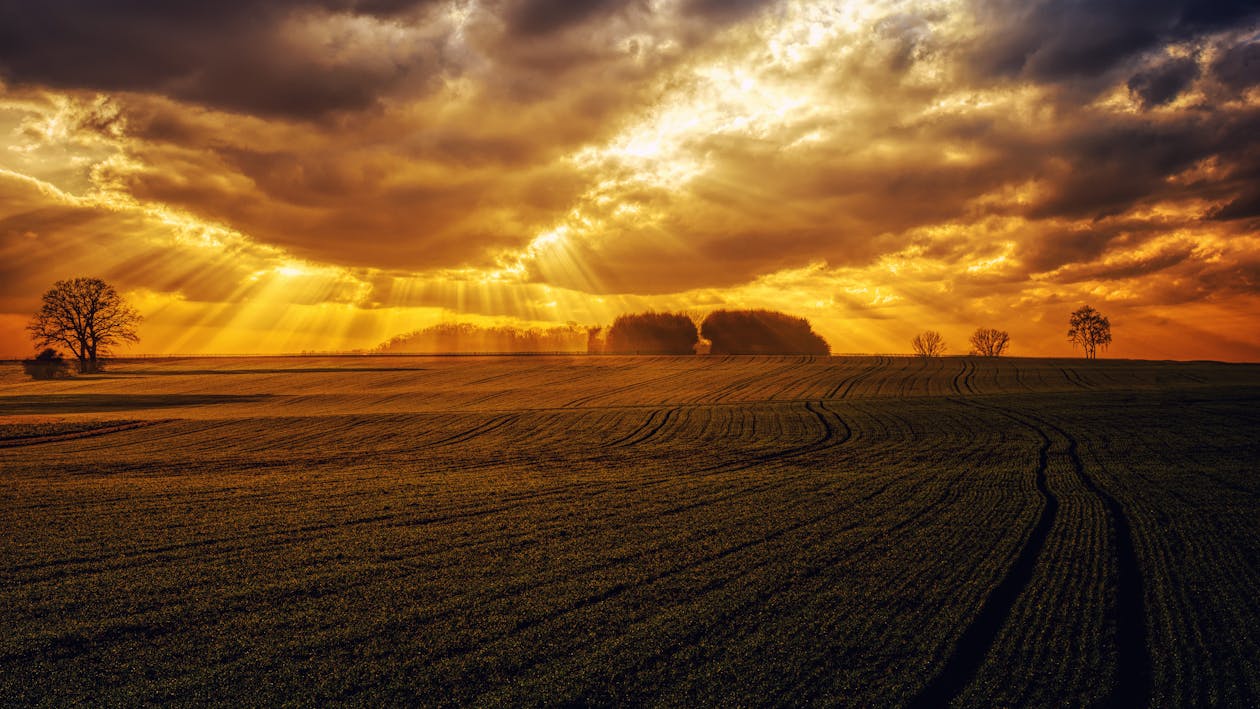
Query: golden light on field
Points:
[328, 177]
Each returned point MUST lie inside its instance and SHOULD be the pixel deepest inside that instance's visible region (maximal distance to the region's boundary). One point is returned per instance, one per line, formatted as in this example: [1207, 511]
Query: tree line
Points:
[88, 317]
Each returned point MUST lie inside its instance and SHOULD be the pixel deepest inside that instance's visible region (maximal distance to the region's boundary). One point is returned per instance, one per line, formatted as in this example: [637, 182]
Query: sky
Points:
[265, 176]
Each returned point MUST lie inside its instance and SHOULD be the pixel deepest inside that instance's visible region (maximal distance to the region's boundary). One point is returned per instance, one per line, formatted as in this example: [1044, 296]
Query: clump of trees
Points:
[988, 342]
[1090, 330]
[928, 343]
[87, 316]
[456, 337]
[761, 332]
[652, 333]
[47, 365]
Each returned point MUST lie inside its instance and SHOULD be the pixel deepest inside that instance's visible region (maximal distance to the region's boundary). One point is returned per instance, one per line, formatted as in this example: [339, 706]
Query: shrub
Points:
[47, 365]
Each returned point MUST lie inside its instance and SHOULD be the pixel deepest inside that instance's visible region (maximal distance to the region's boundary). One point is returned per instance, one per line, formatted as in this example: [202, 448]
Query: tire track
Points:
[970, 376]
[478, 430]
[1133, 664]
[1073, 378]
[582, 400]
[847, 384]
[620, 588]
[77, 435]
[649, 428]
[954, 383]
[980, 635]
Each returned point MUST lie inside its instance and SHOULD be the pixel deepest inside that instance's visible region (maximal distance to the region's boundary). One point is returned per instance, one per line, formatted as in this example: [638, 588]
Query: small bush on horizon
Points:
[47, 365]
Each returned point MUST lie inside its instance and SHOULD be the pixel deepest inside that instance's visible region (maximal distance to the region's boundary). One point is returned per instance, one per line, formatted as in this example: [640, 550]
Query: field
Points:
[690, 530]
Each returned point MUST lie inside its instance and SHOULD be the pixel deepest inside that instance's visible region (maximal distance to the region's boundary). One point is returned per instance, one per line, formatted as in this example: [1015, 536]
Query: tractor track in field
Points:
[621, 588]
[842, 389]
[961, 383]
[1074, 378]
[829, 439]
[1133, 663]
[961, 667]
[799, 693]
[1133, 677]
[581, 401]
[720, 394]
[480, 429]
[20, 442]
[762, 596]
[161, 433]
[648, 429]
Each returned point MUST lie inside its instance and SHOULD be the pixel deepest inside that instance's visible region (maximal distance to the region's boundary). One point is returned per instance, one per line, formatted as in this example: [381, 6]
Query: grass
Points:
[691, 530]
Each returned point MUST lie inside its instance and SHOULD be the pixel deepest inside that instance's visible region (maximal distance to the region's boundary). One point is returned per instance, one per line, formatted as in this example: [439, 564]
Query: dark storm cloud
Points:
[1245, 206]
[532, 18]
[542, 17]
[1056, 40]
[1117, 166]
[230, 54]
[725, 10]
[1163, 83]
[1238, 67]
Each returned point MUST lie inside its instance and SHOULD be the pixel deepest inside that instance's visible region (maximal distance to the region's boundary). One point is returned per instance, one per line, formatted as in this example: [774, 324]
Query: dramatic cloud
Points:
[324, 174]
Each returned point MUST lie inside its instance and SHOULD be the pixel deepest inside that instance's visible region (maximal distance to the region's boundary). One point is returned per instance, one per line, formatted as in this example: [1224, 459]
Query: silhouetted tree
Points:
[761, 332]
[928, 344]
[46, 365]
[594, 340]
[87, 316]
[1090, 329]
[988, 342]
[652, 333]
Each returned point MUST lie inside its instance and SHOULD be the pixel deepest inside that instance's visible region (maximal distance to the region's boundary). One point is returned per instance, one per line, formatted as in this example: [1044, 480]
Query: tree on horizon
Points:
[989, 342]
[928, 343]
[1090, 330]
[87, 316]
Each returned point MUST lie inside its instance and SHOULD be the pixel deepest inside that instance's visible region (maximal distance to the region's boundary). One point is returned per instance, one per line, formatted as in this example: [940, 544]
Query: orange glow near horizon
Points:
[878, 168]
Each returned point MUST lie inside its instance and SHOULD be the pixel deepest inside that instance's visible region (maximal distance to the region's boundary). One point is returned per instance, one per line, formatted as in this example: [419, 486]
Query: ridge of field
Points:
[673, 530]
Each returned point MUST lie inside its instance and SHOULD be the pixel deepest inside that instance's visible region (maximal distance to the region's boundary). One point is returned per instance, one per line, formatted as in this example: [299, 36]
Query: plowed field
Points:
[690, 530]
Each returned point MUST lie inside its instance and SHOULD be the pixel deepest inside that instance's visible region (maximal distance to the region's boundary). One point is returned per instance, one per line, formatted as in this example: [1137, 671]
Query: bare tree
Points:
[1090, 329]
[87, 316]
[928, 344]
[987, 342]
